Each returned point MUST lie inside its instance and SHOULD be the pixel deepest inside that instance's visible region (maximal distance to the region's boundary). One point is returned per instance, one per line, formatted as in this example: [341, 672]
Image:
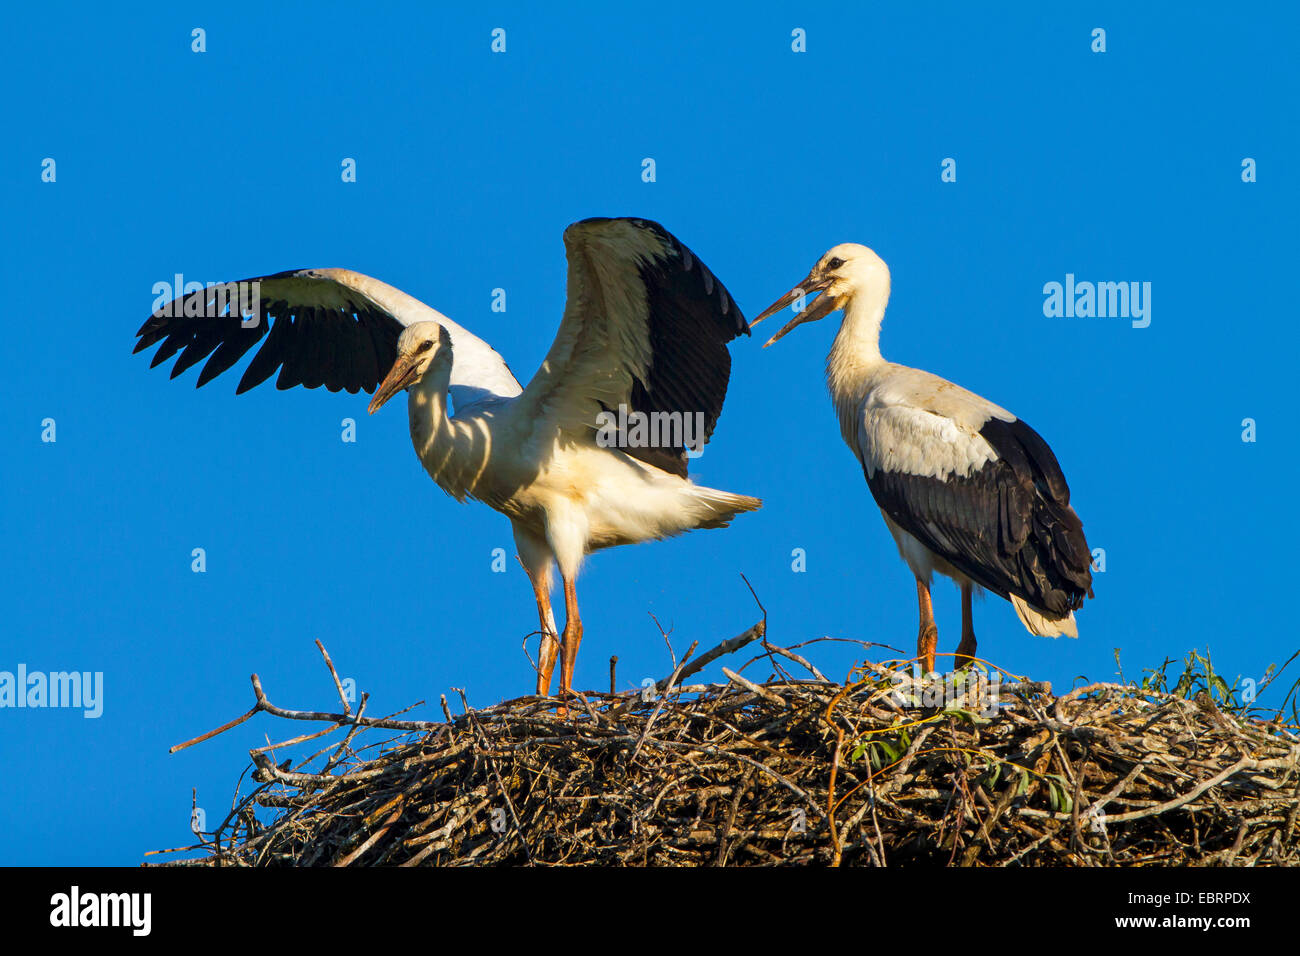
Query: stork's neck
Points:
[854, 357]
[856, 350]
[448, 448]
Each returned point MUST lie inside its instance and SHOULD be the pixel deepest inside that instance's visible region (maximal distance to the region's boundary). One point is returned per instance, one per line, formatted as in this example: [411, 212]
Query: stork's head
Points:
[846, 271]
[420, 346]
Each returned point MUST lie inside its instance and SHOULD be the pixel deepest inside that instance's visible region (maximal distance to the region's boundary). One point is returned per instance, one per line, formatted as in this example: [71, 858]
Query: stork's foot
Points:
[565, 692]
[926, 642]
[965, 653]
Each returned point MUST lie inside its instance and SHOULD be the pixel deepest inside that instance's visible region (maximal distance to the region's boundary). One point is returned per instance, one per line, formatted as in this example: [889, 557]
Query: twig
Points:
[343, 698]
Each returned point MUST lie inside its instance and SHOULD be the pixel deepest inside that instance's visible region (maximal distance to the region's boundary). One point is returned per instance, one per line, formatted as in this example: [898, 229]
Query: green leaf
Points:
[966, 715]
[1222, 686]
[1058, 794]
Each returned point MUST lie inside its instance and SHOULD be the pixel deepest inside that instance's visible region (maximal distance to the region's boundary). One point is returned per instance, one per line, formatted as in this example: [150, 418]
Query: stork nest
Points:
[882, 769]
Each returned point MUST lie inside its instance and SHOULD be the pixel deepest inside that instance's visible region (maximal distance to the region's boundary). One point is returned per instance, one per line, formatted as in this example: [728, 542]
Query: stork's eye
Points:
[425, 345]
[835, 263]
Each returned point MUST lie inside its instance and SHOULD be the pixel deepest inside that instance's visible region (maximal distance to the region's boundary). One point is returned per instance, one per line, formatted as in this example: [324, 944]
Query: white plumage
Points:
[645, 327]
[966, 489]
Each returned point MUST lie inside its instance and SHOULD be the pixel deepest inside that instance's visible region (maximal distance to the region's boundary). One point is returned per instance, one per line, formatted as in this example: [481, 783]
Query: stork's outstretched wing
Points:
[330, 327]
[646, 327]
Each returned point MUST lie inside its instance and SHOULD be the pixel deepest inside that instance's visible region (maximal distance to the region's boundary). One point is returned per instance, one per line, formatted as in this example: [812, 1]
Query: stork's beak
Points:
[402, 375]
[823, 306]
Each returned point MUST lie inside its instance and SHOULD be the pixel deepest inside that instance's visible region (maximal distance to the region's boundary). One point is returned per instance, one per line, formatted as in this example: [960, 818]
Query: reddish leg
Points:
[572, 638]
[550, 645]
[537, 561]
[927, 637]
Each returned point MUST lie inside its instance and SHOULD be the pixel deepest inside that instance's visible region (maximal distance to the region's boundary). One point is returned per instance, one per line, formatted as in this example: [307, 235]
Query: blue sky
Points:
[1117, 166]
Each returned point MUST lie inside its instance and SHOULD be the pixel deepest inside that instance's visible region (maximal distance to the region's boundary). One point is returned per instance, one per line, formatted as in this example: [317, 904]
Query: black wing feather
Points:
[692, 318]
[344, 346]
[235, 346]
[268, 357]
[1008, 526]
[203, 343]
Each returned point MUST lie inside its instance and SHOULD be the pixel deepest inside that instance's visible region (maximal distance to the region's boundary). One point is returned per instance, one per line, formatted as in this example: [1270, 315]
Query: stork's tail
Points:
[1042, 624]
[719, 507]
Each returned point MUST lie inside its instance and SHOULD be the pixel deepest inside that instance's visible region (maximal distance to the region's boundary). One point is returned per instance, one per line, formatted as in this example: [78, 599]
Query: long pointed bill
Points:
[811, 312]
[402, 375]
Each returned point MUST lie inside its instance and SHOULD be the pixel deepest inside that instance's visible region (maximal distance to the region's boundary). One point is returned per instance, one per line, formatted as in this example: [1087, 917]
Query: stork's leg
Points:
[535, 556]
[550, 644]
[927, 637]
[966, 649]
[566, 532]
[572, 636]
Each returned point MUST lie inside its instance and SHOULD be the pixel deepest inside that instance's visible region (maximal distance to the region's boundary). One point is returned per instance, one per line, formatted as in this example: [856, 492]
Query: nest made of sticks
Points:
[882, 769]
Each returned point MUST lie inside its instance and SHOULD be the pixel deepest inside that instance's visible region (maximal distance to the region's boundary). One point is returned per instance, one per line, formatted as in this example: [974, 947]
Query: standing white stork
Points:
[965, 487]
[645, 328]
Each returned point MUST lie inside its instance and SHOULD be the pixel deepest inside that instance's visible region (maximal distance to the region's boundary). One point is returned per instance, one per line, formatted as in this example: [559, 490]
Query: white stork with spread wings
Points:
[965, 487]
[645, 331]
